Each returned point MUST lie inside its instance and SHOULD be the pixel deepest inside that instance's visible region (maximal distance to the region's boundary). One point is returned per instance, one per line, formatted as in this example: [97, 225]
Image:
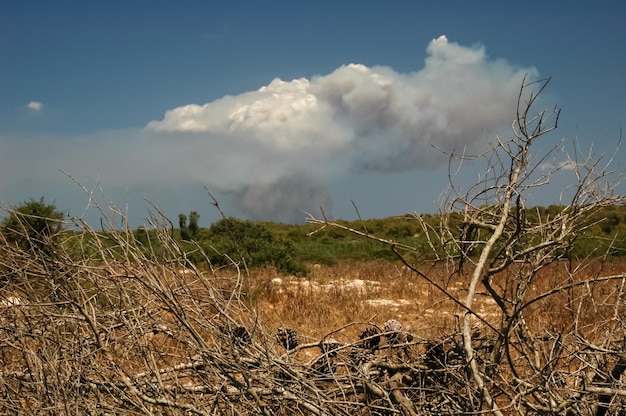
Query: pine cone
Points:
[370, 338]
[324, 366]
[287, 337]
[436, 356]
[330, 347]
[241, 336]
[393, 332]
[360, 355]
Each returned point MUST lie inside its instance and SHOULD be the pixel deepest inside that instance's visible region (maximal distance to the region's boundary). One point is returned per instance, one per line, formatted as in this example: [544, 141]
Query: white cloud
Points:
[355, 119]
[35, 105]
[276, 149]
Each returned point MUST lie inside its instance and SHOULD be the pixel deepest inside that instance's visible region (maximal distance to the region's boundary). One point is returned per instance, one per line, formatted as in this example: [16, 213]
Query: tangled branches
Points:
[129, 326]
[534, 364]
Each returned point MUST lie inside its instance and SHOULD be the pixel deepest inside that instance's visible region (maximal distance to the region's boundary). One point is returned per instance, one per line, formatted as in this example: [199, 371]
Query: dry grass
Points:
[126, 333]
[357, 294]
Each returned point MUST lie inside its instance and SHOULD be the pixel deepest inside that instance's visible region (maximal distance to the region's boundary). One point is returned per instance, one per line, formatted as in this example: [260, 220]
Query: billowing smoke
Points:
[276, 149]
[278, 146]
[282, 201]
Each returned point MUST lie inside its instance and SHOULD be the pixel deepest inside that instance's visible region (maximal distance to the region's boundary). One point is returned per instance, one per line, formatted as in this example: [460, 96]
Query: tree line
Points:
[289, 247]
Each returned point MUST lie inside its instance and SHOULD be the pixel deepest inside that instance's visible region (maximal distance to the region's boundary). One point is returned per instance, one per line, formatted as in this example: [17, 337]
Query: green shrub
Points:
[33, 225]
[253, 243]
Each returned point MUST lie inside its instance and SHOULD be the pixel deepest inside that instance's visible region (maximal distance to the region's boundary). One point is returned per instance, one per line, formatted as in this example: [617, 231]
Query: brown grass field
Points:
[351, 295]
[154, 338]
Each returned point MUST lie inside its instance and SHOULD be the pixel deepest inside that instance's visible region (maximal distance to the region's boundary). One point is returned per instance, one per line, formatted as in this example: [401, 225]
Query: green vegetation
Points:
[189, 232]
[289, 247]
[33, 224]
[37, 227]
[252, 243]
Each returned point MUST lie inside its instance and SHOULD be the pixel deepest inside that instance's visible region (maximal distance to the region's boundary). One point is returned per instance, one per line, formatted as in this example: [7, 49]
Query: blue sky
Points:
[283, 105]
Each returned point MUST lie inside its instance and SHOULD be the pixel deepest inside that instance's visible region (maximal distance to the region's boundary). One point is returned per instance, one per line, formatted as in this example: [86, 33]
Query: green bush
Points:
[252, 242]
[33, 225]
[288, 246]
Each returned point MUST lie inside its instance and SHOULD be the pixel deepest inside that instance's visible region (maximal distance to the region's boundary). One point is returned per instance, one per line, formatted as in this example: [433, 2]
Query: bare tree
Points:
[540, 368]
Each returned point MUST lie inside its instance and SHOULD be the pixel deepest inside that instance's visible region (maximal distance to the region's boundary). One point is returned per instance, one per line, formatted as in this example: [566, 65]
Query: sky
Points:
[280, 108]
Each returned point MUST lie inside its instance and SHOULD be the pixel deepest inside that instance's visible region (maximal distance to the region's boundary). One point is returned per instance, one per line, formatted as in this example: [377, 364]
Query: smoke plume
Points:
[284, 141]
[276, 149]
